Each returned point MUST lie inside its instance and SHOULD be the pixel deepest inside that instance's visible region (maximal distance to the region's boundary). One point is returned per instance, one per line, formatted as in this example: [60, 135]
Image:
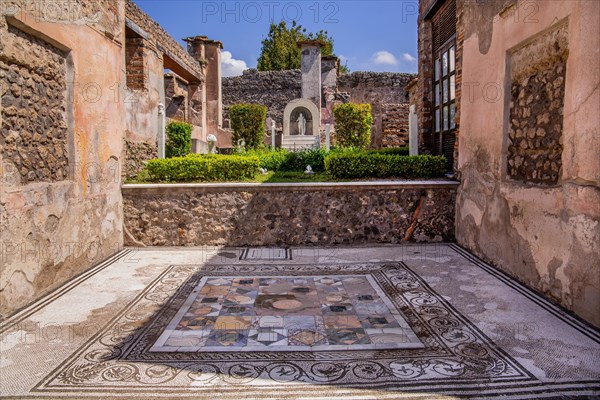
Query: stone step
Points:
[297, 142]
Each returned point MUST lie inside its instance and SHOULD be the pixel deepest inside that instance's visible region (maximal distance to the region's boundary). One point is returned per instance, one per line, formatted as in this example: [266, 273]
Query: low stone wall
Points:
[289, 214]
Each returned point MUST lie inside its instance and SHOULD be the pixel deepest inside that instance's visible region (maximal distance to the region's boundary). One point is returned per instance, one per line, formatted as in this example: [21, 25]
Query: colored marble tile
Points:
[196, 323]
[347, 337]
[379, 321]
[300, 322]
[287, 313]
[232, 323]
[306, 337]
[267, 322]
[228, 338]
[341, 321]
[267, 337]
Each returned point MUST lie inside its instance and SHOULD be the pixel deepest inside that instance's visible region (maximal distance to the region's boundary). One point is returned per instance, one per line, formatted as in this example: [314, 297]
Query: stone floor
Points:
[415, 321]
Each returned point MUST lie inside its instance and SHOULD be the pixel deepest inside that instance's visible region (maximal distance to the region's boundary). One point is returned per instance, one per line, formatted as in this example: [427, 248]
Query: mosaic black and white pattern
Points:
[454, 351]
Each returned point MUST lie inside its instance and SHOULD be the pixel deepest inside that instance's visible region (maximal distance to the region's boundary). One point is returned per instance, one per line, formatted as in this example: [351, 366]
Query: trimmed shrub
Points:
[298, 160]
[271, 160]
[179, 139]
[204, 168]
[353, 164]
[397, 151]
[248, 123]
[353, 125]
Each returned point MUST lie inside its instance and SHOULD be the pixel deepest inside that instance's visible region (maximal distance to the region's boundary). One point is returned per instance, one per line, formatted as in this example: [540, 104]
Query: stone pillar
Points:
[330, 66]
[208, 52]
[311, 70]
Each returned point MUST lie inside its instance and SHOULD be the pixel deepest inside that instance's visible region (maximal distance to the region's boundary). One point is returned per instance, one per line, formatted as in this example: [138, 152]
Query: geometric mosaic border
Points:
[456, 352]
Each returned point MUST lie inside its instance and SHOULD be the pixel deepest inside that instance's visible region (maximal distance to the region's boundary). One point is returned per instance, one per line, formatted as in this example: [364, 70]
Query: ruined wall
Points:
[273, 89]
[529, 200]
[60, 143]
[272, 215]
[176, 97]
[163, 41]
[143, 93]
[34, 103]
[149, 51]
[385, 91]
[394, 125]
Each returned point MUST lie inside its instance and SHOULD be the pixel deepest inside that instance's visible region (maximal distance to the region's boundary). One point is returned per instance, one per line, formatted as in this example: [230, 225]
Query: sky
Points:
[378, 35]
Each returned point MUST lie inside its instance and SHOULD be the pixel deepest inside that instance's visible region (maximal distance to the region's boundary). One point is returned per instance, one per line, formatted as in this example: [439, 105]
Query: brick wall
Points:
[161, 38]
[135, 66]
[394, 125]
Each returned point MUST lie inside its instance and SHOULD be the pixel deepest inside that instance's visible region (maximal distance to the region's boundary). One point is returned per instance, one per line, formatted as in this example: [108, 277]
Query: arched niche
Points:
[293, 110]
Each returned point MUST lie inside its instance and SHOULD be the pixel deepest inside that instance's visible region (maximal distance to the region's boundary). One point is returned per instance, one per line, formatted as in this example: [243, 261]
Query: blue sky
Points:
[369, 35]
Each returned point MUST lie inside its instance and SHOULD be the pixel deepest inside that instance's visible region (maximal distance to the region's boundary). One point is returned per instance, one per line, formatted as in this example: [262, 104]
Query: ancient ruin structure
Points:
[509, 96]
[505, 91]
[385, 91]
[82, 96]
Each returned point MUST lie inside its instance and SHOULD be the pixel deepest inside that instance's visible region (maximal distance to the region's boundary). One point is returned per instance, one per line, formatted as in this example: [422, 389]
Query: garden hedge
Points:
[353, 165]
[353, 125]
[204, 168]
[248, 123]
[179, 139]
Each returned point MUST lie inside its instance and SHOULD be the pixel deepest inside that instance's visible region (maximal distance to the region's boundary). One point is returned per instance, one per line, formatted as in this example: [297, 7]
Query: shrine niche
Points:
[301, 119]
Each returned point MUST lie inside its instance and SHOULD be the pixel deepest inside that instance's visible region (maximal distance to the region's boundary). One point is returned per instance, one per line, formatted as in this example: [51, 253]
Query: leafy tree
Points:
[280, 51]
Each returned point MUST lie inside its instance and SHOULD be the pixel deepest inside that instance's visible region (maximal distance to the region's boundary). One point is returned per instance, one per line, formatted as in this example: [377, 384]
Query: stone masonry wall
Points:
[176, 98]
[542, 229]
[394, 125]
[161, 38]
[277, 215]
[61, 209]
[33, 136]
[536, 109]
[273, 89]
[387, 93]
[136, 155]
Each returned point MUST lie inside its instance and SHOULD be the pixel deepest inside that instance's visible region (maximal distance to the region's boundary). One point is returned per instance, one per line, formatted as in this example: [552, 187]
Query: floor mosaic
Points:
[287, 314]
[383, 322]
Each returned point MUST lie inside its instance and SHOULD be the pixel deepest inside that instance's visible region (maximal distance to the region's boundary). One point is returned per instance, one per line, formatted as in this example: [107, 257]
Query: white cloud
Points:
[408, 57]
[230, 66]
[384, 58]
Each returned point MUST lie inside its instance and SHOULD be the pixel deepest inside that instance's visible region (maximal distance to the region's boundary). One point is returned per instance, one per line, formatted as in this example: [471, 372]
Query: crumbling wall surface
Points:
[394, 125]
[529, 199]
[160, 38]
[60, 143]
[273, 89]
[275, 215]
[384, 91]
[141, 96]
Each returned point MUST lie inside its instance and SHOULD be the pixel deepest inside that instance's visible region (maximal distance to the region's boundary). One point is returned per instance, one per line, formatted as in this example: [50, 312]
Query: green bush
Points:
[179, 139]
[353, 125]
[353, 164]
[248, 123]
[204, 168]
[397, 151]
[271, 160]
[298, 160]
